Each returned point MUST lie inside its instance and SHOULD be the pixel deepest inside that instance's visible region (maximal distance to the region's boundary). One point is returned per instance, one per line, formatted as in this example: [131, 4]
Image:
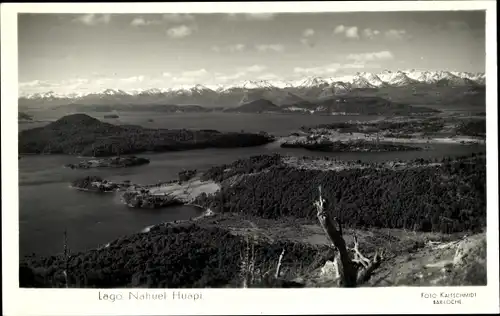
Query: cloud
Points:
[306, 37]
[395, 34]
[34, 83]
[133, 79]
[308, 32]
[339, 29]
[352, 32]
[224, 78]
[190, 76]
[347, 31]
[307, 42]
[250, 16]
[318, 71]
[61, 86]
[363, 57]
[230, 48]
[93, 19]
[268, 76]
[370, 33]
[139, 21]
[177, 17]
[180, 31]
[254, 68]
[103, 81]
[165, 18]
[166, 74]
[195, 73]
[270, 47]
[354, 66]
[331, 69]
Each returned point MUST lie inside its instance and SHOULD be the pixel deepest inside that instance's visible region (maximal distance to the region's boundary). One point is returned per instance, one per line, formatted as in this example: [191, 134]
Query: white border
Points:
[235, 301]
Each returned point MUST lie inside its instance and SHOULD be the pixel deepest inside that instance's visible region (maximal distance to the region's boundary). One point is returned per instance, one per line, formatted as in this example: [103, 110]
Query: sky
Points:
[90, 52]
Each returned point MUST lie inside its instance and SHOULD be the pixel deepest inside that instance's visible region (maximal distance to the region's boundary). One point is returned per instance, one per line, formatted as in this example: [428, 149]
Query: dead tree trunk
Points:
[66, 258]
[245, 264]
[347, 269]
[278, 267]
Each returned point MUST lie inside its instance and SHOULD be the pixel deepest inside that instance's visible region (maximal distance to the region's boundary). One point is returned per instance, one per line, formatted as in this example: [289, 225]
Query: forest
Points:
[171, 256]
[350, 146]
[425, 126]
[80, 134]
[473, 127]
[447, 196]
[369, 105]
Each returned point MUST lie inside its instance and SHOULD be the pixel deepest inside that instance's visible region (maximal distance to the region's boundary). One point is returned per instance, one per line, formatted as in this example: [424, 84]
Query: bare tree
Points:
[278, 267]
[244, 267]
[351, 269]
[66, 257]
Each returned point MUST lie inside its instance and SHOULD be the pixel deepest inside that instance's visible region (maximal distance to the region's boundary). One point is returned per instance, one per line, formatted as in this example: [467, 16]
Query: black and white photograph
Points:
[252, 150]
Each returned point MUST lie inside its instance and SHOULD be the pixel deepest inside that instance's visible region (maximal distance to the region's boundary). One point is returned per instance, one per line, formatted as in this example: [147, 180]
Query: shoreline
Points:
[140, 196]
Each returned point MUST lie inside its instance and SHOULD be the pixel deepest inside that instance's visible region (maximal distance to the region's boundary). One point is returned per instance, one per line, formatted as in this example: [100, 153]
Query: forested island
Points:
[112, 162]
[111, 116]
[97, 184]
[80, 134]
[183, 190]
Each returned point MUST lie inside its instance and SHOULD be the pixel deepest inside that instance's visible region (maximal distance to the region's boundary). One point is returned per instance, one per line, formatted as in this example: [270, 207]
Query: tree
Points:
[350, 272]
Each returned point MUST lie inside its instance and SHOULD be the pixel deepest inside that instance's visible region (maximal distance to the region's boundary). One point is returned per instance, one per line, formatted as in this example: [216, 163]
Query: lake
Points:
[48, 206]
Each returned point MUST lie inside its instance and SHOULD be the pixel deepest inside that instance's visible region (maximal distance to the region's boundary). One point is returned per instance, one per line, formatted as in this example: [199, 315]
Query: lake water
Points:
[48, 206]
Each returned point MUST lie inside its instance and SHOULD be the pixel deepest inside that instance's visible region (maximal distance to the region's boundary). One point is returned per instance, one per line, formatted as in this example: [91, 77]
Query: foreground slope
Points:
[209, 253]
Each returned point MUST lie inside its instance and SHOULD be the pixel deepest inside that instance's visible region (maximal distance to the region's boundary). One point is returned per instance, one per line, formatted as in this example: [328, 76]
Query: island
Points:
[112, 162]
[97, 184]
[182, 191]
[80, 134]
[111, 116]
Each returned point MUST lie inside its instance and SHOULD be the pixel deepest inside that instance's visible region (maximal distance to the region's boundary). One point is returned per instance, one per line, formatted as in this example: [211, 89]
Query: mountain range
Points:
[278, 92]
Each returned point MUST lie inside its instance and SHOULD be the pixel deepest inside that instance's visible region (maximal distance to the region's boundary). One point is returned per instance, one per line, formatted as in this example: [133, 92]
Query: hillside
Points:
[360, 105]
[80, 134]
[209, 252]
[257, 106]
[21, 116]
[394, 195]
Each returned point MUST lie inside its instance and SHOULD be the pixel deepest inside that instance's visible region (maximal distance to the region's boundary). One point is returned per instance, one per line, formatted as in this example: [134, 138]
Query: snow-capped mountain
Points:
[45, 95]
[400, 79]
[311, 82]
[151, 91]
[366, 80]
[112, 92]
[278, 91]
